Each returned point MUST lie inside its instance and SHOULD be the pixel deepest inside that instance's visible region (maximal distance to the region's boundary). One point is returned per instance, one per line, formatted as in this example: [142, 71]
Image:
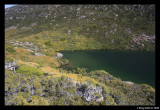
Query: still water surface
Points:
[135, 66]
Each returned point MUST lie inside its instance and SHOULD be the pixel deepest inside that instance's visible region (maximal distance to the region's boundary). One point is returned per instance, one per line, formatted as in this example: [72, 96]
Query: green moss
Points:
[9, 59]
[10, 49]
[32, 53]
[110, 101]
[28, 70]
[48, 43]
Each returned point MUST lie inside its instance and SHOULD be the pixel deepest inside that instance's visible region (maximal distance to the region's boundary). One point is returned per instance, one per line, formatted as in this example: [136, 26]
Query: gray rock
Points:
[59, 55]
[12, 27]
[30, 99]
[108, 77]
[70, 79]
[90, 92]
[128, 82]
[69, 32]
[32, 92]
[16, 44]
[79, 93]
[10, 66]
[39, 54]
[99, 89]
[100, 99]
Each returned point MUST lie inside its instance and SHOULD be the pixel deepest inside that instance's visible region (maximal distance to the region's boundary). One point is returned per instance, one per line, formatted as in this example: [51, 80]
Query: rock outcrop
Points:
[10, 66]
[93, 92]
[26, 45]
[88, 92]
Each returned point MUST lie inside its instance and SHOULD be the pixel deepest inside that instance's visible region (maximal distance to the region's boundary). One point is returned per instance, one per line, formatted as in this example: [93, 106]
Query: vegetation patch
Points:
[28, 70]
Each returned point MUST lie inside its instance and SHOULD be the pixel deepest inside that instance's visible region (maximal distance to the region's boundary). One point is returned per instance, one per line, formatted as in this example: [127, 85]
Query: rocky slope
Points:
[108, 26]
[32, 79]
[31, 88]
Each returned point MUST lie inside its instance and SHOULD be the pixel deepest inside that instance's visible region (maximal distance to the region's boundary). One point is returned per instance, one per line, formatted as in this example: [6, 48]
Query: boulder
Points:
[128, 82]
[59, 55]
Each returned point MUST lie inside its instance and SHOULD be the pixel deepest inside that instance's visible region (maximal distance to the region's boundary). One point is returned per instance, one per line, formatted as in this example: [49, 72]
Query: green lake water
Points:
[135, 66]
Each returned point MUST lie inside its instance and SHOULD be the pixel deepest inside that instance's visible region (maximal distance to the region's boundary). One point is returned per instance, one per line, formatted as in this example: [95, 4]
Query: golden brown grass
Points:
[24, 55]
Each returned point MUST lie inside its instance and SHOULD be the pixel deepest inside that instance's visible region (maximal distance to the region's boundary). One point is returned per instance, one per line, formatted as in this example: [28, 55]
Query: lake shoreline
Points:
[108, 49]
[113, 73]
